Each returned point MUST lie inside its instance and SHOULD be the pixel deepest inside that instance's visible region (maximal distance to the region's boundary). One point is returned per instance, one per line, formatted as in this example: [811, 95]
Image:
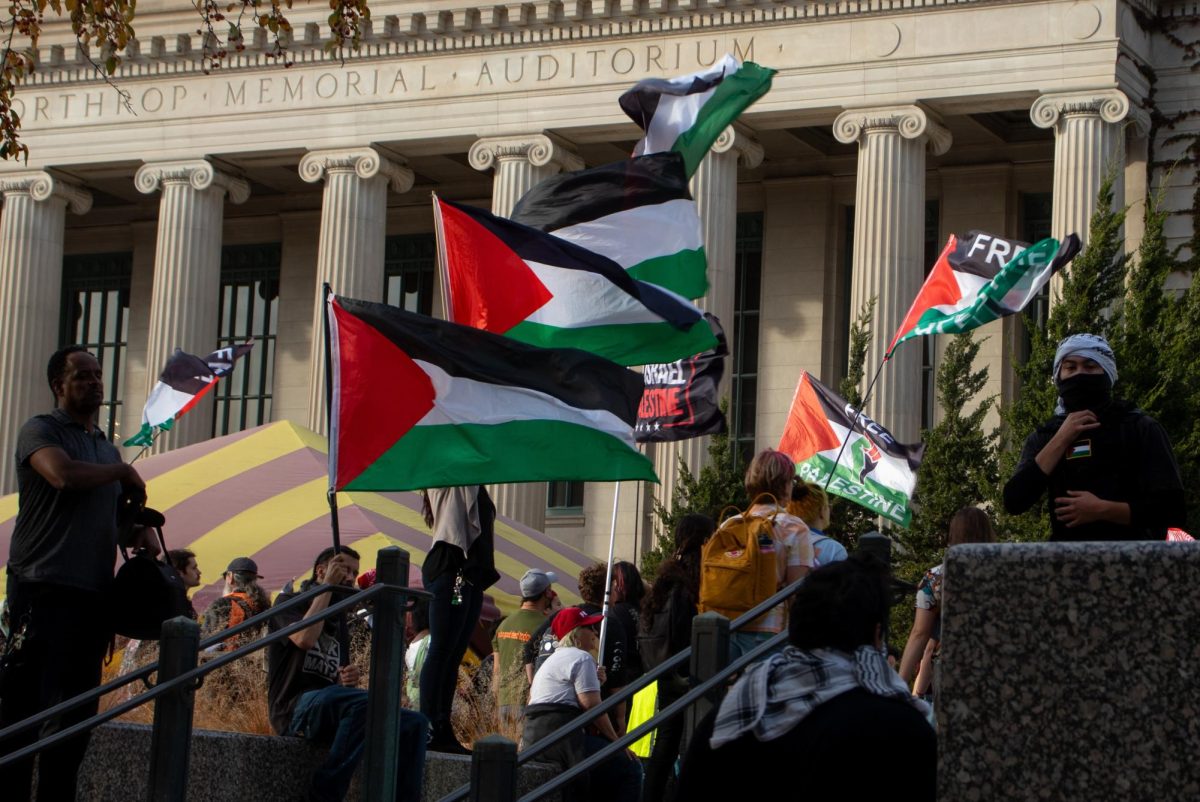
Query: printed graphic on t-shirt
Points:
[324, 658]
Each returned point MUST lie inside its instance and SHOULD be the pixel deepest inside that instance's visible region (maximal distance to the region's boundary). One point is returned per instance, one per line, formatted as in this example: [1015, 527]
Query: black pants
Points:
[660, 768]
[450, 628]
[65, 639]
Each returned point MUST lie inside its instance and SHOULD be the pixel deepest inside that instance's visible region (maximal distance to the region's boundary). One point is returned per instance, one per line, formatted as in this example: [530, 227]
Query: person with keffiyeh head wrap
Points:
[825, 708]
[1106, 466]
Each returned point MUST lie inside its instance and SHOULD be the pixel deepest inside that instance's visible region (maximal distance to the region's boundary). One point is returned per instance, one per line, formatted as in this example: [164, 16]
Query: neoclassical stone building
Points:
[211, 207]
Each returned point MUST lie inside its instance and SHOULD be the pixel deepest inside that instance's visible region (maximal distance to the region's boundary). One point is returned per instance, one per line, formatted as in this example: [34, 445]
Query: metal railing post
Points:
[494, 770]
[877, 545]
[710, 654]
[382, 751]
[171, 741]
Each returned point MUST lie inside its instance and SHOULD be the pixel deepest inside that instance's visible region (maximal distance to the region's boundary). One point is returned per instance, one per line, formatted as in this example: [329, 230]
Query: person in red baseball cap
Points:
[567, 684]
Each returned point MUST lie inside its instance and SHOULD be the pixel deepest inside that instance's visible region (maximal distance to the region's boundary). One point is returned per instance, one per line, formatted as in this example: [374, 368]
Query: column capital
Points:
[365, 162]
[198, 173]
[538, 149]
[738, 139]
[1110, 105]
[910, 122]
[42, 186]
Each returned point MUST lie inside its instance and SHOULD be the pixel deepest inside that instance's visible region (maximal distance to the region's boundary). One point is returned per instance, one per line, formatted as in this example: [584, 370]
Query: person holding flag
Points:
[1106, 466]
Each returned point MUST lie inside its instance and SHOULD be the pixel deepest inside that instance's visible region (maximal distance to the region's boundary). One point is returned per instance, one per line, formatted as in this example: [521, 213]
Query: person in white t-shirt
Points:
[567, 684]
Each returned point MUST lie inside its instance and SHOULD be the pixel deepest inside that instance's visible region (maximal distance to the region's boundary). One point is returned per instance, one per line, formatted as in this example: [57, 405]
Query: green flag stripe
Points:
[626, 344]
[731, 97]
[529, 451]
[683, 273]
[877, 498]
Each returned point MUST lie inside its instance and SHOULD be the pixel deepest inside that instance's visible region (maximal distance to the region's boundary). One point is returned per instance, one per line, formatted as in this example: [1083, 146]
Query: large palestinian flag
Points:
[419, 402]
[688, 113]
[874, 471]
[183, 382]
[637, 212]
[514, 280]
[981, 278]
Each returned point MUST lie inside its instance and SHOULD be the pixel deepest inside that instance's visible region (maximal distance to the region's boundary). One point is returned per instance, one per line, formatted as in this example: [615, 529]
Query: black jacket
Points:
[1127, 458]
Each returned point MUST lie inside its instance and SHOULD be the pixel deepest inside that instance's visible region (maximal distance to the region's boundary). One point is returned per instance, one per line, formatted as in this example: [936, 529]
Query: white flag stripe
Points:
[462, 400]
[164, 404]
[675, 225]
[582, 298]
[677, 113]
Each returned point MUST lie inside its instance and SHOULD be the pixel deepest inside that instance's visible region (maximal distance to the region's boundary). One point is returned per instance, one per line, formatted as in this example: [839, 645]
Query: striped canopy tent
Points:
[261, 493]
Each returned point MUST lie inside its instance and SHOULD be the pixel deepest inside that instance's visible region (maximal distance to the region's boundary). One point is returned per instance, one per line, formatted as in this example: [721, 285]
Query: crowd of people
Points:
[822, 702]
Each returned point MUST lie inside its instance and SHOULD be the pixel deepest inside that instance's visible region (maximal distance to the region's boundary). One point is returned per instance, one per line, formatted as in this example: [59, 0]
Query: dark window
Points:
[408, 267]
[933, 249]
[747, 303]
[249, 311]
[95, 313]
[564, 496]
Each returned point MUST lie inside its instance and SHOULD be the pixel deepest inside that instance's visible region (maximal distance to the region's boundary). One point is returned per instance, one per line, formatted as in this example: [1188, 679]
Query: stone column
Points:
[31, 257]
[889, 226]
[187, 273]
[353, 232]
[1088, 144]
[714, 186]
[518, 164]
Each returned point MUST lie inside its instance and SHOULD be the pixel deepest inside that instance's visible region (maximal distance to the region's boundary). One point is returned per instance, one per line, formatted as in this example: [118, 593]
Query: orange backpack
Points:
[738, 568]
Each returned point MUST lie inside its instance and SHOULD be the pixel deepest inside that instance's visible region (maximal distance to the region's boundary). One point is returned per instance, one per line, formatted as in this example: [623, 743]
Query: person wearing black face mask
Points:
[1106, 466]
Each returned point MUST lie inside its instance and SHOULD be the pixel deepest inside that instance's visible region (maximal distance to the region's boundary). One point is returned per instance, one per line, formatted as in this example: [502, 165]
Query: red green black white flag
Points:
[980, 278]
[874, 470]
[183, 382]
[419, 402]
[511, 279]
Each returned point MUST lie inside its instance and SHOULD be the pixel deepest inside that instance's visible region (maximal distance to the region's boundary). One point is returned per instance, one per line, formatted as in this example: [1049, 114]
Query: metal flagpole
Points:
[854, 420]
[612, 538]
[332, 494]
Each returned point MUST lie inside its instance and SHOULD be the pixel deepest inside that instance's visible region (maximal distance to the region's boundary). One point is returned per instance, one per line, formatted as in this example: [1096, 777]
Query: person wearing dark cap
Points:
[243, 599]
[1107, 467]
[70, 479]
[509, 682]
[567, 684]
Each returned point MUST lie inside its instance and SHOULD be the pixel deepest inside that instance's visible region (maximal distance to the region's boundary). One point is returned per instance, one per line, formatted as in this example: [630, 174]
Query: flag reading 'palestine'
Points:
[981, 278]
[420, 402]
[182, 383]
[637, 212]
[510, 279]
[688, 113]
[874, 471]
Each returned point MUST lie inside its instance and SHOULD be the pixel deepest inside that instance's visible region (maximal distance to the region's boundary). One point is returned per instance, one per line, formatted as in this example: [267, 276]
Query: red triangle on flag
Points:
[807, 430]
[940, 289]
[491, 287]
[381, 393]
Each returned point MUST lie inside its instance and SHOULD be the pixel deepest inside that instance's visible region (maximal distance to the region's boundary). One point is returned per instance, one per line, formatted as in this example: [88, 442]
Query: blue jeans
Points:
[745, 642]
[450, 628]
[337, 715]
[618, 779]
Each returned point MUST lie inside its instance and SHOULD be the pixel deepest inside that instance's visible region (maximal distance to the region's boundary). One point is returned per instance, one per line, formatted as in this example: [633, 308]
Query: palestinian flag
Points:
[688, 113]
[637, 212]
[514, 280]
[874, 471]
[181, 385]
[420, 402]
[981, 278]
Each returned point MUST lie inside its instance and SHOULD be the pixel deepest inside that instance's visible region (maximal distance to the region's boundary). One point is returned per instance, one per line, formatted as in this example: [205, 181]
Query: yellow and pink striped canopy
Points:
[261, 494]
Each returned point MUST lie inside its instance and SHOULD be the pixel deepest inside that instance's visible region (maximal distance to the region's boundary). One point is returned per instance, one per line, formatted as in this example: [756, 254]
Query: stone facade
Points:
[891, 124]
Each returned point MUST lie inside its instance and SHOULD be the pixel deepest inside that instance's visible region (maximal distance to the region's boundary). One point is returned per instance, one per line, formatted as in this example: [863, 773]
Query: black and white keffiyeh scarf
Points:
[775, 695]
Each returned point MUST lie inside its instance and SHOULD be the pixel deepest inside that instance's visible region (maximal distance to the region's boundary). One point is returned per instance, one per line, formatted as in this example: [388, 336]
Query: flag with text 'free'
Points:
[874, 471]
[183, 382]
[680, 398]
[686, 114]
[637, 212]
[510, 279]
[980, 278]
[419, 402]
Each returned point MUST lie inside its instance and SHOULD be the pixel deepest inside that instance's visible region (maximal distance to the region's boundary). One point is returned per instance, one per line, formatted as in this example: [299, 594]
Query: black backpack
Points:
[146, 591]
[654, 641]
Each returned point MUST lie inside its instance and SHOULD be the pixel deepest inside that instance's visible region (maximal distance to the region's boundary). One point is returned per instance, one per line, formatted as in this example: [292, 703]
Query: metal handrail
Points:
[670, 711]
[356, 598]
[144, 672]
[630, 690]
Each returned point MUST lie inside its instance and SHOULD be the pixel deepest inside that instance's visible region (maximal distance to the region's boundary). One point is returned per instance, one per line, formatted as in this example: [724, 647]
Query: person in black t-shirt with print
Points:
[311, 689]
